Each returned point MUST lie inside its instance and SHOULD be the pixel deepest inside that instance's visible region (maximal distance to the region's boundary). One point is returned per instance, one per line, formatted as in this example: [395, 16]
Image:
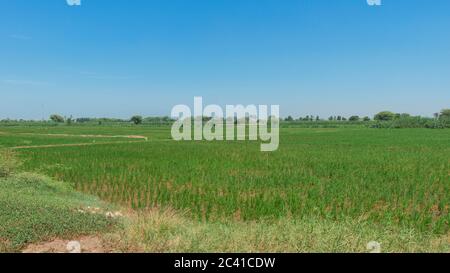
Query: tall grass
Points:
[169, 231]
[8, 163]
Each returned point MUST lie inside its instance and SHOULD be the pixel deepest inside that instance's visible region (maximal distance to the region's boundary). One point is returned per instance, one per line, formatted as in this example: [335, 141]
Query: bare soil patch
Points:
[71, 145]
[89, 244]
[87, 136]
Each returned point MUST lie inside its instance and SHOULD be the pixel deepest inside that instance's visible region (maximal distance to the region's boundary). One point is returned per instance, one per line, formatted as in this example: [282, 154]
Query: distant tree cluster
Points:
[136, 120]
[388, 119]
[384, 119]
[331, 118]
[307, 118]
[445, 114]
[57, 118]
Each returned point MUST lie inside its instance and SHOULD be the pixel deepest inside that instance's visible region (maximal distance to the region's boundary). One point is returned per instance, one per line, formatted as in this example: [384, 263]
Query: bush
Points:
[445, 114]
[136, 120]
[412, 122]
[384, 116]
[8, 163]
[57, 118]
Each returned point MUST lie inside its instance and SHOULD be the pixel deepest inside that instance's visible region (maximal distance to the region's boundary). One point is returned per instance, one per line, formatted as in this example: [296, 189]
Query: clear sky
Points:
[323, 57]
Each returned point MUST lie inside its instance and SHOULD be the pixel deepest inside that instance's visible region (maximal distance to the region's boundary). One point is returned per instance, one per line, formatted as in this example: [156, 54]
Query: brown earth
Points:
[89, 244]
[70, 145]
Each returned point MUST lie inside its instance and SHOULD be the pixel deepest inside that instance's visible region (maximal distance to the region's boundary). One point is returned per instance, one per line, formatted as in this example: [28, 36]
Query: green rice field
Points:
[385, 177]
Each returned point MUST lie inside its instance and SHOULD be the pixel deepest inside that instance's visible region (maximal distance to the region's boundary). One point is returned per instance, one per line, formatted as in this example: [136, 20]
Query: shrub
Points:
[384, 116]
[412, 122]
[57, 118]
[136, 120]
[445, 114]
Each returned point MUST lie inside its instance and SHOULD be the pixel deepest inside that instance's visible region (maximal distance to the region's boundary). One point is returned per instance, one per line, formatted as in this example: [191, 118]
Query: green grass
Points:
[385, 178]
[35, 208]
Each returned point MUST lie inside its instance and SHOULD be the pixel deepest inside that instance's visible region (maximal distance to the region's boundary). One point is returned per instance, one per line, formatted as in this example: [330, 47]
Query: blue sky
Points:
[118, 58]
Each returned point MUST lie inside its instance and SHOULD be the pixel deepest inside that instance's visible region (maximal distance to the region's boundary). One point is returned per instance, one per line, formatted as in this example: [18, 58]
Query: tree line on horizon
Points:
[384, 119]
[381, 116]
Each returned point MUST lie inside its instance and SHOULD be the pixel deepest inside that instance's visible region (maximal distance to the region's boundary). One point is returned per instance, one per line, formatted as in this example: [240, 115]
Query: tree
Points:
[354, 118]
[82, 120]
[136, 120]
[405, 115]
[290, 118]
[57, 118]
[366, 119]
[445, 114]
[384, 116]
[69, 120]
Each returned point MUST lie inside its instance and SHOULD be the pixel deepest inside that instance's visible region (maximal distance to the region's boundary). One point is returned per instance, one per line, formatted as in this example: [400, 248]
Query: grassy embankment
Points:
[35, 208]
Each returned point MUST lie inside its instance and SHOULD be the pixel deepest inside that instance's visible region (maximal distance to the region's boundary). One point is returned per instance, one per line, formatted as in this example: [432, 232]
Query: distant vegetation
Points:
[57, 118]
[137, 120]
[384, 119]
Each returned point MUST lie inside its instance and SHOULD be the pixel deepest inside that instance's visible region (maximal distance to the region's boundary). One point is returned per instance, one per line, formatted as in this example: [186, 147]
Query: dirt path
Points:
[87, 136]
[77, 144]
[70, 145]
